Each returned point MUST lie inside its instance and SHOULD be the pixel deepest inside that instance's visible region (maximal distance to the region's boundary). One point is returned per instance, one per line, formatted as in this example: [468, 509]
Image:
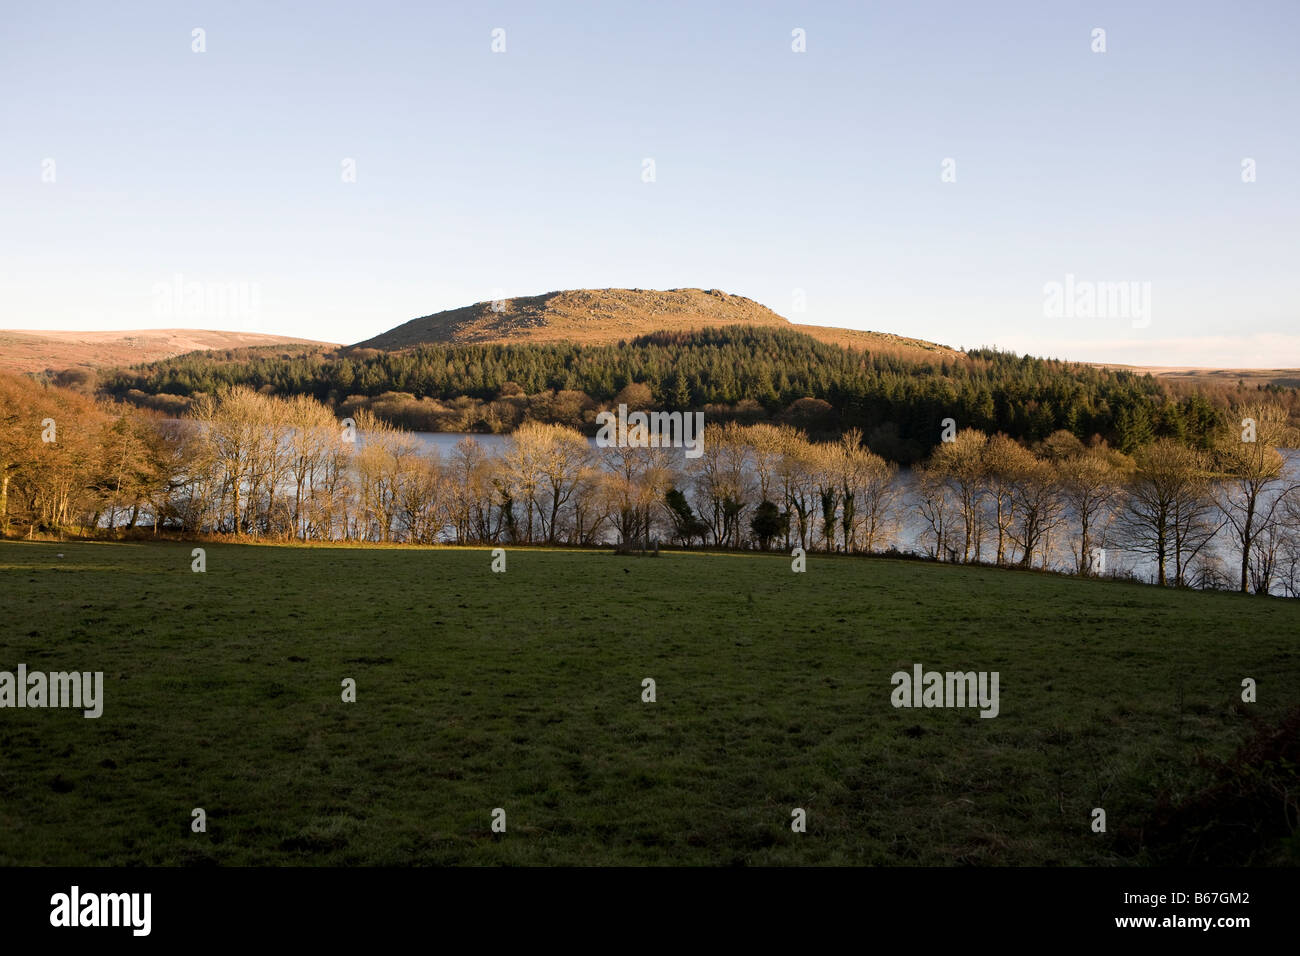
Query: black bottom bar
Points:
[334, 905]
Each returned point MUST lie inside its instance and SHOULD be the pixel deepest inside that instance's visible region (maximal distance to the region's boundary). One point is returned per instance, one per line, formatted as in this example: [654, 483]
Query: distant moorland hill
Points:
[23, 350]
[1193, 375]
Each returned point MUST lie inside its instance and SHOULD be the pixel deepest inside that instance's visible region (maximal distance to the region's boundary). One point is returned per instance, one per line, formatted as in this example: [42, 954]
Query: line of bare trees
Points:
[255, 465]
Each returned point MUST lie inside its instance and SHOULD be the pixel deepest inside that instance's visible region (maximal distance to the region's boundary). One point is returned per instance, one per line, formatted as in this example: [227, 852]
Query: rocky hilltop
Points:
[600, 316]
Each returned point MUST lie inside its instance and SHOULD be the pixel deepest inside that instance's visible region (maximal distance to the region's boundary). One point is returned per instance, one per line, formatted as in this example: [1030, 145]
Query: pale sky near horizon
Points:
[129, 164]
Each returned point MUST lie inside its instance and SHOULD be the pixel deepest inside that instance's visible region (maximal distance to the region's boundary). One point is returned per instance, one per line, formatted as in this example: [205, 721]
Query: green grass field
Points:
[523, 691]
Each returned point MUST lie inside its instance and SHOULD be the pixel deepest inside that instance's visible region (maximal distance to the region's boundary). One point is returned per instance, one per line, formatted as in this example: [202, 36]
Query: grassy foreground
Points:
[523, 691]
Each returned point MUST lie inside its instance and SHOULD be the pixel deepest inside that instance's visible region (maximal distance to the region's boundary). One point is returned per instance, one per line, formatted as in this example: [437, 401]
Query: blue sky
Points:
[776, 173]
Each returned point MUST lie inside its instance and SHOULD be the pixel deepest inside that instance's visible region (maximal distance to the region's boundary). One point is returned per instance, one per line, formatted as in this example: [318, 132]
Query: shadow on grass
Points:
[1248, 815]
